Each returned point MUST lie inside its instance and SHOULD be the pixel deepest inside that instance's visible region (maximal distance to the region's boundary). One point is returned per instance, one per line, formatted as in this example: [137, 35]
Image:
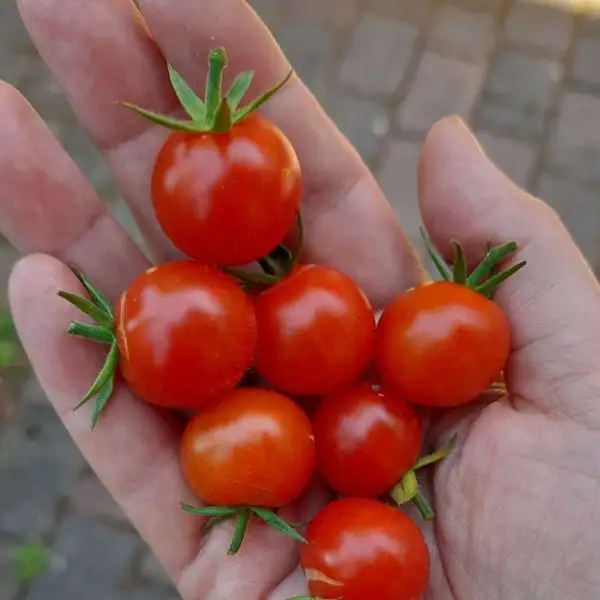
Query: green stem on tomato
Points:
[98, 308]
[242, 515]
[218, 113]
[483, 279]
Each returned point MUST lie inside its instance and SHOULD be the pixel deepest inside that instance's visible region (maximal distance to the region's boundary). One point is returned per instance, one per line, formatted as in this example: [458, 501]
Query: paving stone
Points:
[442, 86]
[94, 559]
[546, 27]
[330, 13]
[462, 33]
[8, 257]
[152, 570]
[8, 585]
[508, 121]
[38, 464]
[378, 56]
[574, 146]
[363, 122]
[309, 48]
[89, 159]
[577, 205]
[523, 82]
[590, 25]
[586, 62]
[490, 6]
[515, 158]
[12, 31]
[44, 93]
[397, 177]
[416, 12]
[90, 499]
[269, 11]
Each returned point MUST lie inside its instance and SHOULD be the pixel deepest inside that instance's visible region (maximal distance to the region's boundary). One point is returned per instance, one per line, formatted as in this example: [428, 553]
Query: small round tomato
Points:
[441, 344]
[251, 447]
[315, 331]
[227, 198]
[362, 549]
[185, 332]
[365, 440]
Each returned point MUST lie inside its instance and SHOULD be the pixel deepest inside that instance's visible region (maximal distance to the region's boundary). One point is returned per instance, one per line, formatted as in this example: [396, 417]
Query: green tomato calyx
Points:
[216, 113]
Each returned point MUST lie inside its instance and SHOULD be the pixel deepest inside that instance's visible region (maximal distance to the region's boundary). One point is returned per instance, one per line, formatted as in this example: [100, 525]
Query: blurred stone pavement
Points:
[527, 78]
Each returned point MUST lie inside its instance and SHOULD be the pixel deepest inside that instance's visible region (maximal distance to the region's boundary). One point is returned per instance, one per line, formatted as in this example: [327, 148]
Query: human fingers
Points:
[349, 224]
[553, 303]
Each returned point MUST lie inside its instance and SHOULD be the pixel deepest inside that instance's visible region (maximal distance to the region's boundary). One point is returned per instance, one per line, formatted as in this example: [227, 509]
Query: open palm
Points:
[517, 502]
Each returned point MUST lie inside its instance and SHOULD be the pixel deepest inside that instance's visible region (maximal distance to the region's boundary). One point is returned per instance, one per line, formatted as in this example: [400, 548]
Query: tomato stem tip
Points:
[99, 309]
[242, 515]
[484, 278]
[217, 113]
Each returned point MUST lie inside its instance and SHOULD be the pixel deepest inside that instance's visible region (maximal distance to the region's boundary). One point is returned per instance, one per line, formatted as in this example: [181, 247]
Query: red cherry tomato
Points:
[185, 332]
[441, 344]
[227, 198]
[365, 440]
[362, 549]
[315, 331]
[251, 447]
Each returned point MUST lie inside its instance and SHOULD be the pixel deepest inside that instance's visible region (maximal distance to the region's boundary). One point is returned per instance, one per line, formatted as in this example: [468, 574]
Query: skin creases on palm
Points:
[517, 506]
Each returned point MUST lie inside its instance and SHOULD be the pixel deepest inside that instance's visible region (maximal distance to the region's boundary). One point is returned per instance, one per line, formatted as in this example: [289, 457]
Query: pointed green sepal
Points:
[192, 105]
[243, 112]
[239, 88]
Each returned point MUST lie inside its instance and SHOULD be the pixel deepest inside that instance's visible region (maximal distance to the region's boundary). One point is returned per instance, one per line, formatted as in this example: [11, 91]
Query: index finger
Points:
[349, 223]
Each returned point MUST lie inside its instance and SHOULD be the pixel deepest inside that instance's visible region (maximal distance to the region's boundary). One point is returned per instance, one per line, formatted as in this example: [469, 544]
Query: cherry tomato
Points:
[365, 440]
[251, 447]
[441, 344]
[315, 331]
[185, 332]
[227, 198]
[362, 549]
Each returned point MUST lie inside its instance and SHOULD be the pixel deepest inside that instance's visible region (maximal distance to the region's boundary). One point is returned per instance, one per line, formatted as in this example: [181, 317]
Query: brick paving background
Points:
[527, 78]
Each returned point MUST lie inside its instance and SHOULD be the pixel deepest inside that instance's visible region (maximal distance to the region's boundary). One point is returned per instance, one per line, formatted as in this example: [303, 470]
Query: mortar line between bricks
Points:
[396, 99]
[495, 51]
[550, 119]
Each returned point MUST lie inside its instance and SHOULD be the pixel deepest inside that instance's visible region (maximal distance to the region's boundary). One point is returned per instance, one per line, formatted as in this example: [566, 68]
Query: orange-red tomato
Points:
[250, 447]
[227, 198]
[362, 549]
[365, 440]
[315, 331]
[441, 344]
[185, 332]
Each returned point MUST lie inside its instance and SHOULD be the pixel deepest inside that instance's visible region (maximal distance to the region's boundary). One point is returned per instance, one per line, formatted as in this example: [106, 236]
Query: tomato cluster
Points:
[243, 349]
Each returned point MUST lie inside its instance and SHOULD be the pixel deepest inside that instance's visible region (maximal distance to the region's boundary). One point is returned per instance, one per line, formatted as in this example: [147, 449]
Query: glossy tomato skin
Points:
[365, 440]
[250, 447]
[316, 331]
[185, 332]
[227, 198]
[362, 549]
[441, 344]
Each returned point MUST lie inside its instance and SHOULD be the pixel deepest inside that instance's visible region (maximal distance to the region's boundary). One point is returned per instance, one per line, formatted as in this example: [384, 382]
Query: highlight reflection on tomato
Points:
[366, 440]
[362, 549]
[185, 332]
[227, 198]
[249, 447]
[315, 331]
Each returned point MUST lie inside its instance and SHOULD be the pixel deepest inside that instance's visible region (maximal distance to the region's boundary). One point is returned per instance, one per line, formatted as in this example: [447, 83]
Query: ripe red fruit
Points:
[227, 198]
[441, 344]
[365, 440]
[185, 332]
[251, 447]
[315, 331]
[362, 549]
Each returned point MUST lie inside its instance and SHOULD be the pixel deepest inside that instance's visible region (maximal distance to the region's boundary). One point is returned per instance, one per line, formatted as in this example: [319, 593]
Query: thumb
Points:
[553, 304]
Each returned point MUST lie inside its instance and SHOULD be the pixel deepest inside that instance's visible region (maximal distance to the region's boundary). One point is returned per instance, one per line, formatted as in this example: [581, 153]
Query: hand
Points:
[517, 503]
